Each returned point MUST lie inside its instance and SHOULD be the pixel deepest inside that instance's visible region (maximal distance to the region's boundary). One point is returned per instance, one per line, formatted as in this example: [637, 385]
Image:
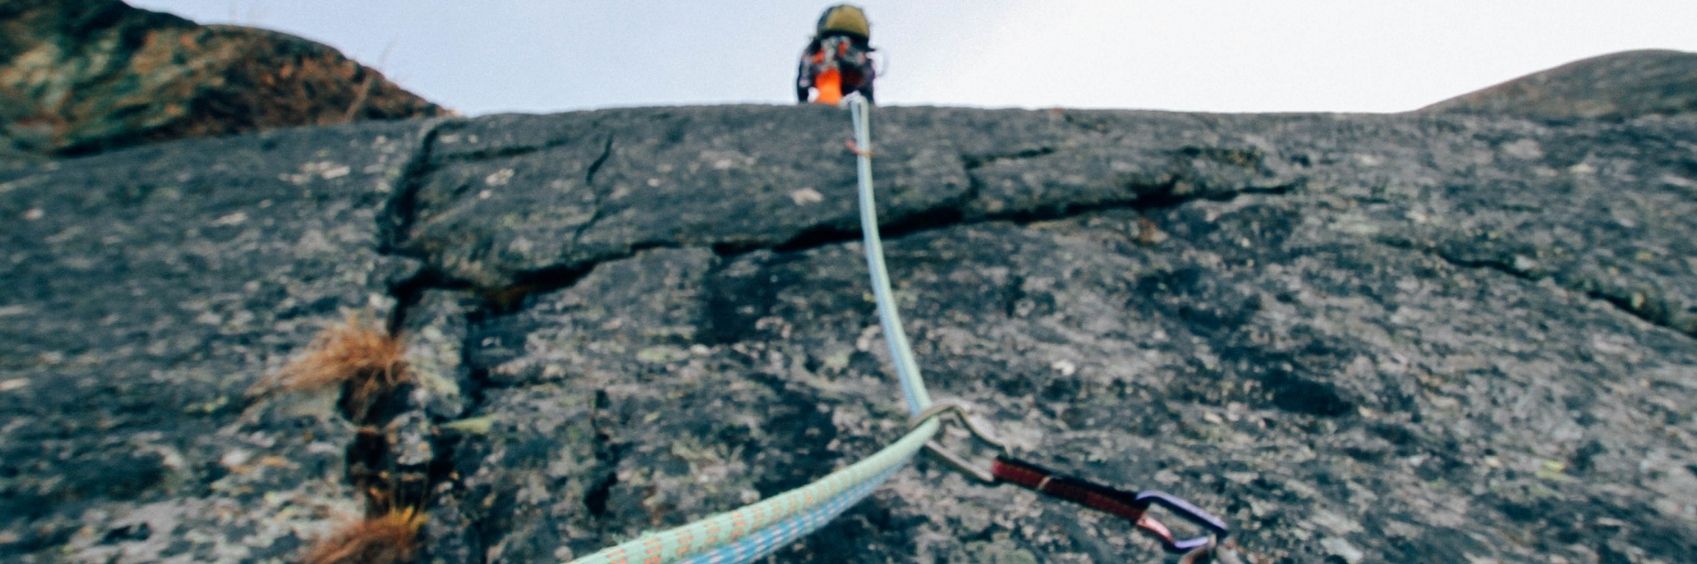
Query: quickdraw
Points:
[1004, 468]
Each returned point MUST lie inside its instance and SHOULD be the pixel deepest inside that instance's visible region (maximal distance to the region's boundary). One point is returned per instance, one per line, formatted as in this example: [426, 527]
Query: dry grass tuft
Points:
[389, 537]
[366, 361]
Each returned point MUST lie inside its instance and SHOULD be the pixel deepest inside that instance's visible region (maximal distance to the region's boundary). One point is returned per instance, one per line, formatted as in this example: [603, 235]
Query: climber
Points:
[837, 60]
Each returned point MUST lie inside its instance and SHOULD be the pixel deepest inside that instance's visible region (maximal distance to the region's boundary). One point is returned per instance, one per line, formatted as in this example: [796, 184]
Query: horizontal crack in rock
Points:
[508, 151]
[509, 298]
[974, 162]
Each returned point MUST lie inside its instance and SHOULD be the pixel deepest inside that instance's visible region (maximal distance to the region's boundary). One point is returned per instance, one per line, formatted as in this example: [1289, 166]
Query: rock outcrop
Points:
[1426, 337]
[87, 76]
[1614, 86]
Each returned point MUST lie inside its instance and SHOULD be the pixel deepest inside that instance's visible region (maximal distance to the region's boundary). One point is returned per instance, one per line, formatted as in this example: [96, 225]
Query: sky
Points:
[543, 56]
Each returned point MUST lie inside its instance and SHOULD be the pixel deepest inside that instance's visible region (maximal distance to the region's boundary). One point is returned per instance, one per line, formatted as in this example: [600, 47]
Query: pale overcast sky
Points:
[1211, 55]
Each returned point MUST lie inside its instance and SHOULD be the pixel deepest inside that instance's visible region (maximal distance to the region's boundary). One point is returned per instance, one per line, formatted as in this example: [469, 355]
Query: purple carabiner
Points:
[1188, 512]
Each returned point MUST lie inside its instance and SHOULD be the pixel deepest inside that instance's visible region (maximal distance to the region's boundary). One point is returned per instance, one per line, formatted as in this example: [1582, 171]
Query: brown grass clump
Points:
[389, 537]
[366, 361]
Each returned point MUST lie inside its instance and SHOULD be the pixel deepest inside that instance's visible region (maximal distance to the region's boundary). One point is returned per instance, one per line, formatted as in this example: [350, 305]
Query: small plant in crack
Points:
[389, 537]
[395, 501]
[367, 362]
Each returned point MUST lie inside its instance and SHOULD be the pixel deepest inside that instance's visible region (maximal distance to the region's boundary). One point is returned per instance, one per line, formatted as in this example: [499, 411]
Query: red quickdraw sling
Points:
[1133, 507]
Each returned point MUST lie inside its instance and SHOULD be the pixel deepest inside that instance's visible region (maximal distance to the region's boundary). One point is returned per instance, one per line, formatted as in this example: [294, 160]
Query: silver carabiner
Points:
[979, 429]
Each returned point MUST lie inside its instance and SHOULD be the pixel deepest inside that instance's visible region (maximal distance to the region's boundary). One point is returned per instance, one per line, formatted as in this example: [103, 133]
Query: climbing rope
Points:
[770, 518]
[764, 542]
[907, 371]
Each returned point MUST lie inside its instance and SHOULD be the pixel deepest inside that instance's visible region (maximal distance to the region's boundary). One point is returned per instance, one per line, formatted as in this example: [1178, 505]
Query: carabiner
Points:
[963, 412]
[1189, 512]
[1005, 468]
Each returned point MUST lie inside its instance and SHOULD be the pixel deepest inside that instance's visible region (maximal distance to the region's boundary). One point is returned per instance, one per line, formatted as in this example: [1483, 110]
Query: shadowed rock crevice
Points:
[1645, 307]
[974, 161]
[408, 291]
[595, 203]
[504, 151]
[401, 209]
[607, 457]
[1170, 192]
[595, 166]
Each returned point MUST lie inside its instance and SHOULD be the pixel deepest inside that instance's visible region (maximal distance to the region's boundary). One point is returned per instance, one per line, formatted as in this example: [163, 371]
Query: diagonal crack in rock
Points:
[1641, 306]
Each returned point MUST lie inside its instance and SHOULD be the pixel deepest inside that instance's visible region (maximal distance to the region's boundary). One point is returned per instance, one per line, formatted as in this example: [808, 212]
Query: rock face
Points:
[1357, 338]
[1615, 86]
[87, 76]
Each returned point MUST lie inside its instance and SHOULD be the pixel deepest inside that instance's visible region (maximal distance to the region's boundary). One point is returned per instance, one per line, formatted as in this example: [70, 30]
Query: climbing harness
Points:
[756, 530]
